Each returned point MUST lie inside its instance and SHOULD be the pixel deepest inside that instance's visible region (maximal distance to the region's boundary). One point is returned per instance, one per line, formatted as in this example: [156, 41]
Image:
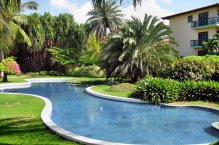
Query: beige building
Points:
[192, 28]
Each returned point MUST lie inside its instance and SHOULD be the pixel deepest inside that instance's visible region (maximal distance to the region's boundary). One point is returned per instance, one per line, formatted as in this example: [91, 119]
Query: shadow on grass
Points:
[20, 125]
[28, 131]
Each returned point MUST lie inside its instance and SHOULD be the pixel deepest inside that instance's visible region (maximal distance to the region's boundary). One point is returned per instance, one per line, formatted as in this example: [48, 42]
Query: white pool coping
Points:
[47, 112]
[115, 98]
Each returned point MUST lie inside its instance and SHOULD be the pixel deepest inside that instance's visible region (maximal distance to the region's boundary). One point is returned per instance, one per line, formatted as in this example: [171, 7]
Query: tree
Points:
[103, 16]
[135, 2]
[10, 18]
[213, 44]
[137, 49]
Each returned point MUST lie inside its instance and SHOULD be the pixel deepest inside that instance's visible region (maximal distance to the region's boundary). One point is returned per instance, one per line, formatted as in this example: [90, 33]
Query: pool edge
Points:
[214, 125]
[47, 112]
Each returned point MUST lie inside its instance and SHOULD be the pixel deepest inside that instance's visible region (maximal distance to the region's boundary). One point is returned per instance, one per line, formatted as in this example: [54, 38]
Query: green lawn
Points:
[198, 103]
[121, 90]
[20, 122]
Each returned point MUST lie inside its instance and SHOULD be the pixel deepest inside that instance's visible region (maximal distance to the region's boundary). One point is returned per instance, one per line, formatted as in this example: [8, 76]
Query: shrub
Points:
[192, 70]
[10, 66]
[42, 74]
[157, 90]
[201, 90]
[86, 71]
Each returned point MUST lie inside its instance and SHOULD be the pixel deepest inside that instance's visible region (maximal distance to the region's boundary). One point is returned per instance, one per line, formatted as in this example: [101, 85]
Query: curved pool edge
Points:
[214, 125]
[115, 98]
[47, 112]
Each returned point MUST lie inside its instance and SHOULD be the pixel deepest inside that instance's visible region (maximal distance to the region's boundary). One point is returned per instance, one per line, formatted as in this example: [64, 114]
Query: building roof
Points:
[194, 10]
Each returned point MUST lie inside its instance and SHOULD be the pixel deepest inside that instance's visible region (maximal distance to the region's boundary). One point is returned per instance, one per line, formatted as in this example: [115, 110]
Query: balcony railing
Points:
[202, 23]
[196, 43]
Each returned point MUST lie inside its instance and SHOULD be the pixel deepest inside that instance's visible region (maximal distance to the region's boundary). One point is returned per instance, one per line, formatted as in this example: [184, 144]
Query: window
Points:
[202, 37]
[203, 19]
[190, 18]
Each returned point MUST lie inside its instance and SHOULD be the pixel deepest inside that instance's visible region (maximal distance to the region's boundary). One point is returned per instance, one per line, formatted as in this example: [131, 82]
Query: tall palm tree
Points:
[103, 16]
[137, 49]
[135, 2]
[10, 18]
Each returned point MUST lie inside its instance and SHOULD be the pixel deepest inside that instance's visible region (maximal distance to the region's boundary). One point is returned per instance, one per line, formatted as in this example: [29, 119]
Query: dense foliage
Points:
[201, 90]
[10, 21]
[157, 90]
[86, 71]
[137, 49]
[193, 68]
[60, 34]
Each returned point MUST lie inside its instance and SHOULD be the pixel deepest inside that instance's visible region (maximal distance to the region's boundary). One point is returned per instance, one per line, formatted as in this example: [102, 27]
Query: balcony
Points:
[196, 43]
[211, 22]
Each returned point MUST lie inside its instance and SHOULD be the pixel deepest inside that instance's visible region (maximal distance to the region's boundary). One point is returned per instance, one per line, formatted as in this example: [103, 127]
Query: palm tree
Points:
[103, 16]
[137, 49]
[10, 17]
[135, 2]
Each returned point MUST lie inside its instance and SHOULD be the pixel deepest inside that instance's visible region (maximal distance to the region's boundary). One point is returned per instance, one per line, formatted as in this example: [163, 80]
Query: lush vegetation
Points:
[157, 90]
[22, 123]
[137, 49]
[86, 71]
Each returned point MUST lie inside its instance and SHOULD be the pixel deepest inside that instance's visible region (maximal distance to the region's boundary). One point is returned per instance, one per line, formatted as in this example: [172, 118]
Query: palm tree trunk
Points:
[2, 57]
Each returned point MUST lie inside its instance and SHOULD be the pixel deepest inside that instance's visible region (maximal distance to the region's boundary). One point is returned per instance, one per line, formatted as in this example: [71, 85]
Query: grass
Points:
[198, 103]
[20, 122]
[121, 90]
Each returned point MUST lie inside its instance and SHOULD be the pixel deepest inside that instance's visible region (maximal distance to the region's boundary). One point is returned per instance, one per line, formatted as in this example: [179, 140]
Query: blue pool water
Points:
[83, 114]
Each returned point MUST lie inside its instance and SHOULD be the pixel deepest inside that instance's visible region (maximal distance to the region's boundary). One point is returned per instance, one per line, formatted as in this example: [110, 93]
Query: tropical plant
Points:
[213, 44]
[135, 2]
[103, 16]
[137, 49]
[11, 16]
[9, 66]
[157, 90]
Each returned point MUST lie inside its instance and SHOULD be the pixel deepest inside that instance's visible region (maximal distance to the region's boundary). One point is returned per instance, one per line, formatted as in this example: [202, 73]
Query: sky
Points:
[160, 8]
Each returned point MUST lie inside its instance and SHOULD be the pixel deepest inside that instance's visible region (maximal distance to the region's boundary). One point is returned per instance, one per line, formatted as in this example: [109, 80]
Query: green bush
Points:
[86, 71]
[42, 74]
[201, 90]
[192, 70]
[157, 90]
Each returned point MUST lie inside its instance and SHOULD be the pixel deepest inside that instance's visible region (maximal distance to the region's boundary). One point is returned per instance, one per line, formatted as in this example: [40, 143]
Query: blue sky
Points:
[160, 8]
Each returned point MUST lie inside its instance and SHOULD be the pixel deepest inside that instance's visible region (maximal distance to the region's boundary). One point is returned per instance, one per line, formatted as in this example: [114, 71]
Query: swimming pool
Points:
[130, 123]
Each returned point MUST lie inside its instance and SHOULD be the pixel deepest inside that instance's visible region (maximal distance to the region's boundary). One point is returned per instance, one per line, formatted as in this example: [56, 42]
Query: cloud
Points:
[148, 6]
[166, 1]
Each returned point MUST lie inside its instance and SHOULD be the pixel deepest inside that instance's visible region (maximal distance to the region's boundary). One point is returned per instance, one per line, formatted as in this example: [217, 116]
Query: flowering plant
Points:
[10, 66]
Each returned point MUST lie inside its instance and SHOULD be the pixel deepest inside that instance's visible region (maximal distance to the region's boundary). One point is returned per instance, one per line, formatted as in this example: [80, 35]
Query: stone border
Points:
[214, 125]
[115, 98]
[47, 112]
